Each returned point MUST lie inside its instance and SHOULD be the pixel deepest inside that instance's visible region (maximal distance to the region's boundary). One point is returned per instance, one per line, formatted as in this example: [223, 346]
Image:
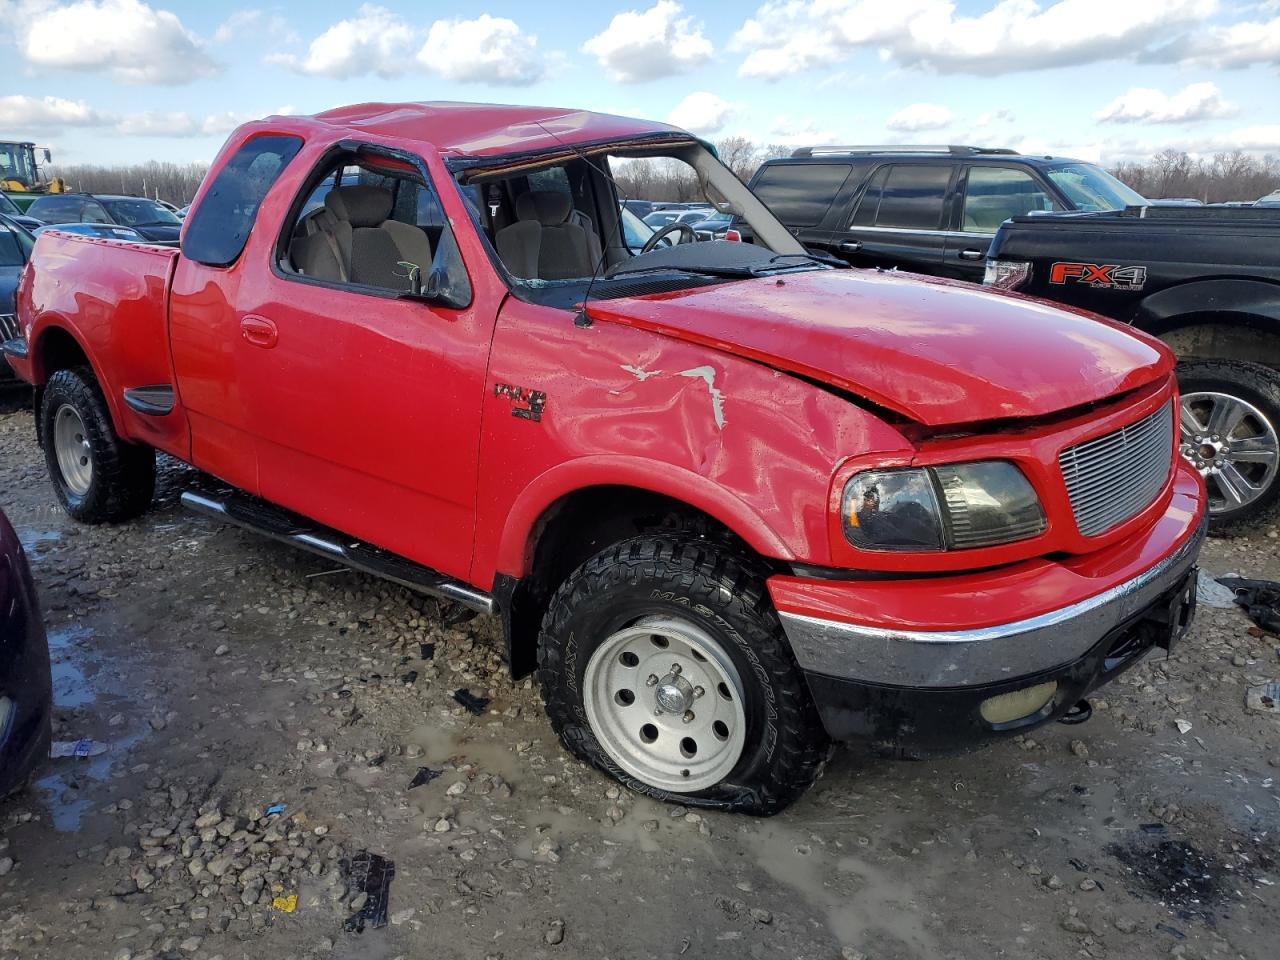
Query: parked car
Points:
[665, 216]
[729, 501]
[1270, 200]
[107, 231]
[713, 227]
[1205, 280]
[149, 218]
[925, 209]
[15, 249]
[26, 686]
[9, 209]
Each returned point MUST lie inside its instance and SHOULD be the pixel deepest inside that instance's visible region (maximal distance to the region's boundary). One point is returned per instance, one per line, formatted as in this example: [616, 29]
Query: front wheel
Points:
[97, 475]
[1230, 432]
[663, 664]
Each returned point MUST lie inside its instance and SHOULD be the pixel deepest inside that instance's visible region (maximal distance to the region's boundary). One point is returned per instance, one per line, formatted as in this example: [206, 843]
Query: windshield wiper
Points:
[811, 257]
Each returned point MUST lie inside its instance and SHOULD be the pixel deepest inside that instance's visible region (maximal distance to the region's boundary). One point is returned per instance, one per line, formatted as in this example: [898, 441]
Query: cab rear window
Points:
[220, 224]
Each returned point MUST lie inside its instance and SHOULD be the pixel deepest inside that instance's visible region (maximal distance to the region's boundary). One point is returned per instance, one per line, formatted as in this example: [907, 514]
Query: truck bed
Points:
[114, 298]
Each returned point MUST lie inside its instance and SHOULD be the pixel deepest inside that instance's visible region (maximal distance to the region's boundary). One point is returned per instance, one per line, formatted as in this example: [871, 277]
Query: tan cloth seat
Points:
[354, 241]
[545, 243]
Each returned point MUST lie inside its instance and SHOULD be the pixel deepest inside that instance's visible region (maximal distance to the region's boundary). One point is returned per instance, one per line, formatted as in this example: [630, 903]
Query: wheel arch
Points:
[56, 345]
[1217, 319]
[543, 550]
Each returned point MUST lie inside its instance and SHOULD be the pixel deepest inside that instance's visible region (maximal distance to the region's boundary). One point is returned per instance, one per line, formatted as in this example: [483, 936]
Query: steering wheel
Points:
[687, 235]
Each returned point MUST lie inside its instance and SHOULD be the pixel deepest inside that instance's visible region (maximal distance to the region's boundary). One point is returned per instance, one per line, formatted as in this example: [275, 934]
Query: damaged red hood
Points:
[936, 351]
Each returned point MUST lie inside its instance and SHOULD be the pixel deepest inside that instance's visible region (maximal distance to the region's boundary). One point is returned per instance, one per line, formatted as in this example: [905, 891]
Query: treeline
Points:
[1224, 176]
[174, 182]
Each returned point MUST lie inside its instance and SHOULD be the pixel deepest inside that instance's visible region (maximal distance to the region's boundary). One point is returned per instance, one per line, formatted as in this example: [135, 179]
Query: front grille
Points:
[1116, 476]
[8, 327]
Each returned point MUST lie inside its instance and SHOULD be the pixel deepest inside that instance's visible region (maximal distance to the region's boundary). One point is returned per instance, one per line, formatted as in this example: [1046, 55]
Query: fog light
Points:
[1017, 704]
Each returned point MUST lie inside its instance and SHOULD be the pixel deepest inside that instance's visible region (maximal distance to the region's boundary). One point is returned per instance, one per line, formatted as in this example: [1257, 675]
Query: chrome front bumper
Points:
[905, 658]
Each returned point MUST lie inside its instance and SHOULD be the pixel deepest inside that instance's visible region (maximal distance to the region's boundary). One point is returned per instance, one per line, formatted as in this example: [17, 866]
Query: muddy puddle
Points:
[79, 681]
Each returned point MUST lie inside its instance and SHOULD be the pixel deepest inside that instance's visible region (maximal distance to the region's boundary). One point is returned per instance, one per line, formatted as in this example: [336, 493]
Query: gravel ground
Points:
[266, 716]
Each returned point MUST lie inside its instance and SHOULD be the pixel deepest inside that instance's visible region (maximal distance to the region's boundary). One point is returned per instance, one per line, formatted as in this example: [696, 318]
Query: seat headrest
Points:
[548, 207]
[361, 205]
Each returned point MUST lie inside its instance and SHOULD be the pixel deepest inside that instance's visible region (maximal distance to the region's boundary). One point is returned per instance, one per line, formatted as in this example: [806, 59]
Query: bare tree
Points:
[175, 182]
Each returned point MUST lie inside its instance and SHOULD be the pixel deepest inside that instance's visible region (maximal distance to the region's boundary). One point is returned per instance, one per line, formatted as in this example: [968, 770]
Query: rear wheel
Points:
[1230, 429]
[663, 664]
[98, 477]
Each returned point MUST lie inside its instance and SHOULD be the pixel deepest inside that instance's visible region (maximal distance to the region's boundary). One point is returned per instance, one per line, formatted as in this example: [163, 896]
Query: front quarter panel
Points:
[569, 407]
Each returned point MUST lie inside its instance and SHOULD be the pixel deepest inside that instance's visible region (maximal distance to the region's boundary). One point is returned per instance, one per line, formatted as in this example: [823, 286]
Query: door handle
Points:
[259, 331]
[971, 254]
[850, 246]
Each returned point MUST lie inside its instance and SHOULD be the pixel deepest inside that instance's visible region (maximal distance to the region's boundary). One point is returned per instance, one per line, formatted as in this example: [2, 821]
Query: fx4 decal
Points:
[525, 403]
[1104, 276]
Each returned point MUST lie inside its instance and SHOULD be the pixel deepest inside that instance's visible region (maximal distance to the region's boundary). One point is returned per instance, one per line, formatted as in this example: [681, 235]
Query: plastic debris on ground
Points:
[1183, 726]
[424, 775]
[285, 904]
[1265, 698]
[1260, 600]
[428, 651]
[369, 874]
[275, 808]
[76, 748]
[1214, 594]
[474, 705]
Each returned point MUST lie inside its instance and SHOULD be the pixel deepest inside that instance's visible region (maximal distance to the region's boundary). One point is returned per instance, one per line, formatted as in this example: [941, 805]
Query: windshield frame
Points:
[469, 173]
[1078, 200]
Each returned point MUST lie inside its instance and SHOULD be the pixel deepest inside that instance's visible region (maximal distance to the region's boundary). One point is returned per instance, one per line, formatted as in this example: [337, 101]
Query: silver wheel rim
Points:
[1233, 445]
[71, 444]
[666, 703]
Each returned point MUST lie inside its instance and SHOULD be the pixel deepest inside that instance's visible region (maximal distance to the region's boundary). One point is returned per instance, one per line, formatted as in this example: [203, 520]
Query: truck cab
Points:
[729, 501]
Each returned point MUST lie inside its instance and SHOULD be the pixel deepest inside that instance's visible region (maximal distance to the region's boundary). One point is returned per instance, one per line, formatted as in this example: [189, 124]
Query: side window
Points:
[799, 194]
[869, 205]
[994, 194]
[218, 228]
[913, 196]
[374, 227]
[56, 209]
[94, 213]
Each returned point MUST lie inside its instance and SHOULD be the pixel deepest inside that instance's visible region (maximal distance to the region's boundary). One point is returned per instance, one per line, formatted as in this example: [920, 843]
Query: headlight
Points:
[952, 507]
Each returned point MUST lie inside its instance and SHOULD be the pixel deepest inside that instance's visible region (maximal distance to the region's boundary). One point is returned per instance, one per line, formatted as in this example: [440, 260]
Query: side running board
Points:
[278, 524]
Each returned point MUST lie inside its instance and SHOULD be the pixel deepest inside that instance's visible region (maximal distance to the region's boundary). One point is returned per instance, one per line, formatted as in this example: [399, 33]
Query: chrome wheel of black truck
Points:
[1230, 428]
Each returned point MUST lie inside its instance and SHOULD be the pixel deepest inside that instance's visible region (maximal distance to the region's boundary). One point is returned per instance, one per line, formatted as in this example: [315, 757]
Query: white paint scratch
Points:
[717, 398]
[641, 375]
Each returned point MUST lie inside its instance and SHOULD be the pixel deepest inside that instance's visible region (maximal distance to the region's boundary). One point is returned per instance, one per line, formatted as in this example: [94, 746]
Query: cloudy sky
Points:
[119, 80]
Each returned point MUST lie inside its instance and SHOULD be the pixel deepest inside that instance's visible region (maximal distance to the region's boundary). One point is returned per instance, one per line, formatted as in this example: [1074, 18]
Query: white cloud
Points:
[157, 123]
[375, 40]
[18, 113]
[701, 112]
[787, 36]
[1199, 101]
[1223, 47]
[235, 24]
[485, 50]
[645, 45]
[129, 40]
[792, 131]
[920, 116]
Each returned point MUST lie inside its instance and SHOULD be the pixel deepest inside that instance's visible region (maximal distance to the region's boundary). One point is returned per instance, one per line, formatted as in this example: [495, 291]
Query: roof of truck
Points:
[483, 129]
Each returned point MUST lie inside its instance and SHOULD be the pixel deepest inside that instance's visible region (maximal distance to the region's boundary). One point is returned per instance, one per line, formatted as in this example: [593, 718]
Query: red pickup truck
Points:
[730, 501]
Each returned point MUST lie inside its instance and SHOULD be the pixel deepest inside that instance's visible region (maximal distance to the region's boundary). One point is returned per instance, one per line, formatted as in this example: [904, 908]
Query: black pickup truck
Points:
[1206, 281]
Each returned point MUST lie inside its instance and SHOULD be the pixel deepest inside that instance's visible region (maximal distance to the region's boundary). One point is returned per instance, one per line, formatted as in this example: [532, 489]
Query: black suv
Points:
[925, 209]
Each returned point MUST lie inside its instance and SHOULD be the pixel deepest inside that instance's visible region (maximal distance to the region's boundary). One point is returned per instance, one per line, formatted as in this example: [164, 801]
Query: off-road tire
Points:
[723, 593]
[124, 474]
[1260, 386]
